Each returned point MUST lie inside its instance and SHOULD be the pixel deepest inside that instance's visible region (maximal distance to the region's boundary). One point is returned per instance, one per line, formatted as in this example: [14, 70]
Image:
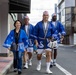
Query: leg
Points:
[39, 56]
[19, 62]
[25, 56]
[51, 63]
[25, 60]
[15, 61]
[30, 58]
[55, 55]
[48, 56]
[48, 59]
[30, 51]
[30, 55]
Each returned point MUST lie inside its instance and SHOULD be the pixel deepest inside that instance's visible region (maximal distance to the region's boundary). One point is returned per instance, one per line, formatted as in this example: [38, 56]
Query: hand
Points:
[36, 43]
[61, 40]
[52, 39]
[62, 37]
[9, 48]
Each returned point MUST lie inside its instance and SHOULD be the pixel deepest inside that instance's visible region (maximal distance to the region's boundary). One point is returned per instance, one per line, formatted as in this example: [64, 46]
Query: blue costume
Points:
[58, 31]
[22, 45]
[23, 39]
[29, 34]
[42, 35]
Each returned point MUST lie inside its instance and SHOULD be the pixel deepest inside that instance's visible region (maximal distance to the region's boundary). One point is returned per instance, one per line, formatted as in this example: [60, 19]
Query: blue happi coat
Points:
[41, 35]
[58, 31]
[30, 34]
[22, 43]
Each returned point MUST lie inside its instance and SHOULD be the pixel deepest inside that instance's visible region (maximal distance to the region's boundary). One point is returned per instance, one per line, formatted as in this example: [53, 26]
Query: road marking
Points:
[63, 70]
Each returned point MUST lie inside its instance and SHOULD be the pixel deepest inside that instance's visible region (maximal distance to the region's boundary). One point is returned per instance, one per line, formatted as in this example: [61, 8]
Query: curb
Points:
[7, 68]
[61, 45]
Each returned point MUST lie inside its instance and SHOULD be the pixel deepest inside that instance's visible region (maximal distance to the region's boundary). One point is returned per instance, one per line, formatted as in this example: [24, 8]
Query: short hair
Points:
[45, 13]
[18, 21]
[26, 17]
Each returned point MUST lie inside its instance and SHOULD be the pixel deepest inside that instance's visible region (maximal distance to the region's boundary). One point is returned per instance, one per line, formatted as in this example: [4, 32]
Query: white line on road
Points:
[63, 70]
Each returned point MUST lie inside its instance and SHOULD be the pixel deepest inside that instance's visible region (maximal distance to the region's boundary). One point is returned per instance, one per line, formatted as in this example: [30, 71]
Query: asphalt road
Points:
[66, 64]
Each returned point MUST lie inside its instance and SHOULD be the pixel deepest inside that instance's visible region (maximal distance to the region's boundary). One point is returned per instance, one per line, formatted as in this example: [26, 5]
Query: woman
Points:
[17, 42]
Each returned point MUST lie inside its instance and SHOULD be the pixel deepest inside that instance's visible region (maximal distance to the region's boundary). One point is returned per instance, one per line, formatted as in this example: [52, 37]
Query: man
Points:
[29, 31]
[58, 36]
[42, 35]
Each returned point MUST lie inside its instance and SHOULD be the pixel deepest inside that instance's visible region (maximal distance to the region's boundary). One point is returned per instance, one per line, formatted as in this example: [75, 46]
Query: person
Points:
[42, 35]
[28, 28]
[17, 42]
[58, 36]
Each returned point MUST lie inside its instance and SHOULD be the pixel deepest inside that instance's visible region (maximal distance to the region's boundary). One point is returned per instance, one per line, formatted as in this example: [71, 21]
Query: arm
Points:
[35, 34]
[8, 41]
[32, 31]
[62, 29]
[62, 32]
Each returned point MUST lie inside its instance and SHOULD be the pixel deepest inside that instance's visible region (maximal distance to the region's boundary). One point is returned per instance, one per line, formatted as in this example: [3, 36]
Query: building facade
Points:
[9, 12]
[67, 15]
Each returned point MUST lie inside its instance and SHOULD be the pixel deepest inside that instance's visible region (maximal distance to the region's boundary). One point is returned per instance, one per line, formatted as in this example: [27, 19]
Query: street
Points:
[66, 64]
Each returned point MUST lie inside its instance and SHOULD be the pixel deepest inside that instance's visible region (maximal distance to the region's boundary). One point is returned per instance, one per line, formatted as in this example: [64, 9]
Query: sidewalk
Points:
[5, 64]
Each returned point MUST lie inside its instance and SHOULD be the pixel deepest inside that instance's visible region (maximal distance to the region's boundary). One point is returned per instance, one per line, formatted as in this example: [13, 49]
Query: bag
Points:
[50, 44]
[14, 46]
[53, 44]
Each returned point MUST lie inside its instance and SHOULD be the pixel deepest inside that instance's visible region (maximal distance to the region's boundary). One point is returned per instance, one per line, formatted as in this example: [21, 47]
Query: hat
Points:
[54, 14]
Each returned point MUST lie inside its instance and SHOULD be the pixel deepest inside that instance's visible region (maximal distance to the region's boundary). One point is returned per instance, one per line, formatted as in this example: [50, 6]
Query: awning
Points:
[19, 6]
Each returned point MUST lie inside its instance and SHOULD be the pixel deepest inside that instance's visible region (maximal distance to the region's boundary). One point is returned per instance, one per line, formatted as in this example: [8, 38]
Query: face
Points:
[45, 17]
[54, 18]
[18, 25]
[26, 20]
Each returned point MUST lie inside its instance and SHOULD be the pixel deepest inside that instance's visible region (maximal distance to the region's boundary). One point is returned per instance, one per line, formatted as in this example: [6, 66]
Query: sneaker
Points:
[48, 71]
[38, 67]
[51, 64]
[15, 69]
[19, 72]
[26, 66]
[30, 63]
[23, 63]
[54, 63]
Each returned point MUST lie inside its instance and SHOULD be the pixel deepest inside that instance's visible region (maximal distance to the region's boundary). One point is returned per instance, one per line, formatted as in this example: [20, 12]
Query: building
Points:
[67, 15]
[10, 10]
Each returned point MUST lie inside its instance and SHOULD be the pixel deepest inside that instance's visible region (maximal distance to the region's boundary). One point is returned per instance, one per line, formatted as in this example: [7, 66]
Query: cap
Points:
[54, 14]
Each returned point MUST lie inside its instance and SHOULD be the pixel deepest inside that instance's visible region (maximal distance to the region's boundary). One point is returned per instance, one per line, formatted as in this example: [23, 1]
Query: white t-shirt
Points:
[45, 25]
[54, 23]
[26, 28]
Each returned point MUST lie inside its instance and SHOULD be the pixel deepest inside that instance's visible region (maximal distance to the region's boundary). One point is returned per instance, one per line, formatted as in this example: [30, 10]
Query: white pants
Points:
[40, 51]
[30, 49]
